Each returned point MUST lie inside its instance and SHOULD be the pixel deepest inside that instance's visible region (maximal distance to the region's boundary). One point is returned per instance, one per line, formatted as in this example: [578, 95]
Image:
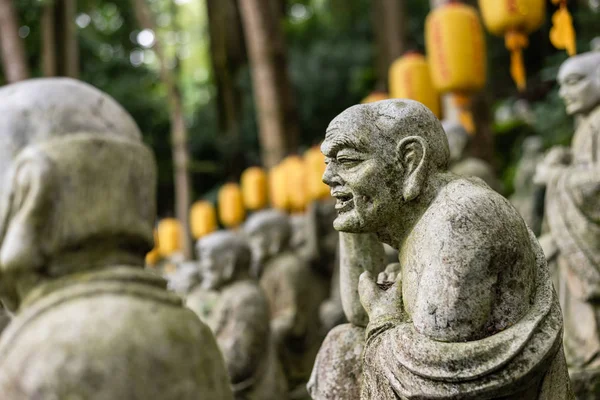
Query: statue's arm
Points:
[244, 338]
[358, 253]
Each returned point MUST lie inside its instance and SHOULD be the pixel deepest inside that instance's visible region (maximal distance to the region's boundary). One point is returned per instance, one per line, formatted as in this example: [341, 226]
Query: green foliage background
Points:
[331, 64]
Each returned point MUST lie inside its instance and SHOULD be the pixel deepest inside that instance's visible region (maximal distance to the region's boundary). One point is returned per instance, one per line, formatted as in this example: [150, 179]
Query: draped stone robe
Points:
[573, 216]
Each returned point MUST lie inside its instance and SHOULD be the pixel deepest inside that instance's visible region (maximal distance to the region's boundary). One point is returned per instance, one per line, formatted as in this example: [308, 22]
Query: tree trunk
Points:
[178, 127]
[274, 99]
[60, 46]
[227, 56]
[71, 45]
[47, 25]
[389, 24]
[11, 45]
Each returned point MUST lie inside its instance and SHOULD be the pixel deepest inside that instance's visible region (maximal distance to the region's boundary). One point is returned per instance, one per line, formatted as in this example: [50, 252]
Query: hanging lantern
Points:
[203, 219]
[375, 96]
[562, 34]
[456, 55]
[296, 183]
[409, 78]
[278, 190]
[315, 168]
[153, 256]
[170, 236]
[231, 205]
[514, 19]
[254, 188]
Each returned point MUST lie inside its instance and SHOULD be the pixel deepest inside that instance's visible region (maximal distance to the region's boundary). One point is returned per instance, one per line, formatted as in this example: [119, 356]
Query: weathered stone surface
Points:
[528, 197]
[469, 311]
[77, 208]
[236, 309]
[294, 291]
[572, 179]
[461, 163]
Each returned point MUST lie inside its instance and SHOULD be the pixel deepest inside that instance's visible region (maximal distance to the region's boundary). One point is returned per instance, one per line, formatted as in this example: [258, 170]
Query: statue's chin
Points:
[348, 222]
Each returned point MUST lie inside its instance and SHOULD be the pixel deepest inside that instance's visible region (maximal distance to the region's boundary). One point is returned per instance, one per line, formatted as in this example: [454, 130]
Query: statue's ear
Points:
[25, 243]
[412, 156]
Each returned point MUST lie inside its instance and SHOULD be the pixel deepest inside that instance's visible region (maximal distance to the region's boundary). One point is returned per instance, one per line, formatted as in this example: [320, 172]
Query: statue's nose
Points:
[330, 176]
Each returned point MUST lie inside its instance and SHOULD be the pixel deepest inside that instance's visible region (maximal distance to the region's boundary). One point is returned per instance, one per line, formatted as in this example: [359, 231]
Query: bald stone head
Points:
[379, 156]
[222, 256]
[268, 233]
[77, 185]
[579, 80]
[458, 139]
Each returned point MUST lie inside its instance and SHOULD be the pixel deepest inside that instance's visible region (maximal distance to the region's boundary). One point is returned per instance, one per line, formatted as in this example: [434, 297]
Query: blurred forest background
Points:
[182, 69]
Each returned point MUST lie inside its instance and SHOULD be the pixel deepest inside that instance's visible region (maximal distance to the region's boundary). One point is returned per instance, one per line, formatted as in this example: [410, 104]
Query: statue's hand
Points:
[382, 299]
[544, 173]
[558, 155]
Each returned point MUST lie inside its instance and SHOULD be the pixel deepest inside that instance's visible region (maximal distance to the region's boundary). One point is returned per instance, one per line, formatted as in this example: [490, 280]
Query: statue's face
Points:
[362, 177]
[579, 87]
[213, 264]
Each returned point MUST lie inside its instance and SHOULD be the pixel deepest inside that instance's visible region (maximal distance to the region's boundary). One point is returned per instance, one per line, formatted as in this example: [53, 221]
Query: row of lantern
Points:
[456, 58]
[289, 186]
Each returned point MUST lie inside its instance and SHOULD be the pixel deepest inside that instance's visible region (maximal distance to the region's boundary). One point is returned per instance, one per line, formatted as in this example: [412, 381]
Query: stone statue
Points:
[461, 163]
[468, 311]
[528, 197]
[294, 291]
[572, 179]
[238, 316]
[77, 205]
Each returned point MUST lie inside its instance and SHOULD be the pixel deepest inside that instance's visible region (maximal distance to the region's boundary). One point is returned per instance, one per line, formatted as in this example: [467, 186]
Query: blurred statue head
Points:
[458, 139]
[579, 79]
[77, 186]
[379, 158]
[532, 145]
[268, 233]
[223, 257]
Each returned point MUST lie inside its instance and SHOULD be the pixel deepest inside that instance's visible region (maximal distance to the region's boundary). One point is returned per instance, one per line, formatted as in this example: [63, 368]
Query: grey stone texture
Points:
[461, 162]
[469, 311]
[294, 291]
[236, 309]
[77, 207]
[572, 211]
[528, 197]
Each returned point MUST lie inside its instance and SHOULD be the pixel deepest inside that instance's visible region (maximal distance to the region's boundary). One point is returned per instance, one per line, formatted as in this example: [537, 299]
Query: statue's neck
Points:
[409, 213]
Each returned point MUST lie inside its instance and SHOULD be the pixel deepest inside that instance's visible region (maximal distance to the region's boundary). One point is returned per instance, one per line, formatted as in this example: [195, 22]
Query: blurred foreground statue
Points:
[77, 206]
[469, 311]
[294, 291]
[238, 314]
[528, 197]
[461, 163]
[572, 179]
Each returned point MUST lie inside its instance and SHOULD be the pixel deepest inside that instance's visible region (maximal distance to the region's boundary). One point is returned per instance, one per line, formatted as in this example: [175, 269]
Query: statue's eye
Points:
[573, 79]
[348, 160]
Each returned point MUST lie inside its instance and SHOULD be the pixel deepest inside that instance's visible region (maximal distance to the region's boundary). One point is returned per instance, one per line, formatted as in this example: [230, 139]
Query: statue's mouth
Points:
[343, 201]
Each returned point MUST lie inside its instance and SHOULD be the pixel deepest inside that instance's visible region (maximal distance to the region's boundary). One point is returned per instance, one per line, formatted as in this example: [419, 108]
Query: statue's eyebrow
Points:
[332, 145]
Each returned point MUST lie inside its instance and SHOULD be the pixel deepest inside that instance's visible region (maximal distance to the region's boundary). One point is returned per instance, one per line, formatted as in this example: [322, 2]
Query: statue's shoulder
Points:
[467, 209]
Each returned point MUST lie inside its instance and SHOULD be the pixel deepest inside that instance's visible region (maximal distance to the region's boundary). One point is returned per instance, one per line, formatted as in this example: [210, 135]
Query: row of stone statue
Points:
[468, 311]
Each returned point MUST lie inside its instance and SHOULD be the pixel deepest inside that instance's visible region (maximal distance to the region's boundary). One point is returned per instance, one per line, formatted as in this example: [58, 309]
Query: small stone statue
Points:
[294, 291]
[469, 310]
[572, 179]
[78, 204]
[461, 163]
[239, 317]
[528, 197]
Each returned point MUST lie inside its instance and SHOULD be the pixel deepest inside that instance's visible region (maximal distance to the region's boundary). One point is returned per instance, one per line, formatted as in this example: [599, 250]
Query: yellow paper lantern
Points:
[296, 183]
[375, 96]
[254, 188]
[203, 219]
[170, 236]
[153, 257]
[514, 19]
[231, 205]
[315, 168]
[278, 190]
[409, 78]
[562, 34]
[456, 54]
